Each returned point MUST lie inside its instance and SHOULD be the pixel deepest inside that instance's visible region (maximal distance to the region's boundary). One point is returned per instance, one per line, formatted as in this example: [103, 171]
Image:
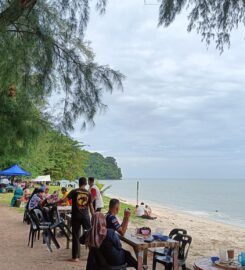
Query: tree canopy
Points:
[213, 20]
[48, 74]
[43, 53]
[63, 158]
[103, 167]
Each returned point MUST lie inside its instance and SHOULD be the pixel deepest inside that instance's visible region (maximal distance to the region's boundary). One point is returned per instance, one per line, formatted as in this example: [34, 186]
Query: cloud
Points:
[182, 108]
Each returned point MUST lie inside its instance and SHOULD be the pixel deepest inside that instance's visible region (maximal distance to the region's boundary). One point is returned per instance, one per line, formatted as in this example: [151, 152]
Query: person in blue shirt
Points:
[106, 241]
[36, 199]
[111, 219]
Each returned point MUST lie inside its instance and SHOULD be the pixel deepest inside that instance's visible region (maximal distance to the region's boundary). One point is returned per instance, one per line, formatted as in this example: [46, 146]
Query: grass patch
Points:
[123, 206]
[5, 199]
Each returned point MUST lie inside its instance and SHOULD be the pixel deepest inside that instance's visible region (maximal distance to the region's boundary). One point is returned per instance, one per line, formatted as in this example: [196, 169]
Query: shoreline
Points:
[157, 209]
[208, 236]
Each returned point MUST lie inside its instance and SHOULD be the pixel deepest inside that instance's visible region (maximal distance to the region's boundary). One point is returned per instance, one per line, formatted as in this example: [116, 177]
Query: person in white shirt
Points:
[97, 199]
[140, 210]
[144, 211]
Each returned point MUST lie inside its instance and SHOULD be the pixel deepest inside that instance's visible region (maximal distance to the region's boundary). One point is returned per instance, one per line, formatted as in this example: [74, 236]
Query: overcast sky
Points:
[182, 111]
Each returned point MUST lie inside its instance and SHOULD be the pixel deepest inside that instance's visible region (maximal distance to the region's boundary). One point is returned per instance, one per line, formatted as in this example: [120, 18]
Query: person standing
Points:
[81, 204]
[97, 199]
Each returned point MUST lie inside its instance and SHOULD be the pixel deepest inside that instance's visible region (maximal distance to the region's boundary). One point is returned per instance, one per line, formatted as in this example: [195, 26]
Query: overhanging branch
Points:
[15, 10]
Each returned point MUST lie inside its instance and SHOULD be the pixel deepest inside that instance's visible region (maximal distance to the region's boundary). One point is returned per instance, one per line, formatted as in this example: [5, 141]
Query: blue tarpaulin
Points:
[15, 170]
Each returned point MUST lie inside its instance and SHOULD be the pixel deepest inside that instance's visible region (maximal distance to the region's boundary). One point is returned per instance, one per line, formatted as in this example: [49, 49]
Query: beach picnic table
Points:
[68, 222]
[64, 209]
[205, 263]
[141, 248]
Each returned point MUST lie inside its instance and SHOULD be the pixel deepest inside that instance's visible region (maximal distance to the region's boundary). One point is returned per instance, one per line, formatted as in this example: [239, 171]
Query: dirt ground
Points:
[208, 238]
[16, 255]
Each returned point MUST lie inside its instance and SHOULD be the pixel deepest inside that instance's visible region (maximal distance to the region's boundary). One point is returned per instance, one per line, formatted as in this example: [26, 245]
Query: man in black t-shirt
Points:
[81, 202]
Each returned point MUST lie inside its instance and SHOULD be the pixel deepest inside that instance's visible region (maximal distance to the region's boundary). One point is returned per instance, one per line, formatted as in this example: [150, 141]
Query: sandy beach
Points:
[208, 237]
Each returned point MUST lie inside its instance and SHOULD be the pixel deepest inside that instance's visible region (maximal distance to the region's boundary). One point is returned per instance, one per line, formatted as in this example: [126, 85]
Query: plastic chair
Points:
[174, 232]
[37, 224]
[26, 216]
[167, 260]
[172, 235]
[58, 222]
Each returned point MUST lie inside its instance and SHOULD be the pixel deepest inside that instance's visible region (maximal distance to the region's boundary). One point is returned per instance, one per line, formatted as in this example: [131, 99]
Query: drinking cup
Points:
[231, 254]
[223, 255]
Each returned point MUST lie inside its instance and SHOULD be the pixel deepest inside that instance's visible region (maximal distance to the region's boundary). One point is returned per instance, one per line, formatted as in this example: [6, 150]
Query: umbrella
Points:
[15, 170]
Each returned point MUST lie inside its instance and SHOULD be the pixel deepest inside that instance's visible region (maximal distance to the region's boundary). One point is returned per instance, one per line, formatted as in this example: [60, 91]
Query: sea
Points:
[216, 199]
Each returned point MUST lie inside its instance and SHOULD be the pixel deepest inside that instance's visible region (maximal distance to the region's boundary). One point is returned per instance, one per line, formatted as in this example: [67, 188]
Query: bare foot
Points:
[74, 260]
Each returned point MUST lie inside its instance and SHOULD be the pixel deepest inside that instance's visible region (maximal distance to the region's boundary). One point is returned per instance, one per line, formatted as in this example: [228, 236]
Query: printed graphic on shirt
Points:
[82, 200]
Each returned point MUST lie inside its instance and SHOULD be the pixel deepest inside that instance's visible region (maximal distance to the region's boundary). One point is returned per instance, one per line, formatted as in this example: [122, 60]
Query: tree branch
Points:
[15, 10]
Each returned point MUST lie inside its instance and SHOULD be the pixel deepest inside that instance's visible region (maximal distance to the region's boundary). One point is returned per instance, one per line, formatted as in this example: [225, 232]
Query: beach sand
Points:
[208, 237]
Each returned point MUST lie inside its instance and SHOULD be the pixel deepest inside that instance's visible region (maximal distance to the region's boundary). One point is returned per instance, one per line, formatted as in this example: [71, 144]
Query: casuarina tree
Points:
[44, 57]
[214, 20]
[48, 73]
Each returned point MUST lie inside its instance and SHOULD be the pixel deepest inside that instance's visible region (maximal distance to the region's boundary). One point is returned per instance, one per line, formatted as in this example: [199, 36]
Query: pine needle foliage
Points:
[43, 53]
[214, 20]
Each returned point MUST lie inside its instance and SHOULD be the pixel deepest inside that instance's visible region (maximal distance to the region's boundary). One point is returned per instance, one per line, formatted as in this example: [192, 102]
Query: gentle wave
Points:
[215, 199]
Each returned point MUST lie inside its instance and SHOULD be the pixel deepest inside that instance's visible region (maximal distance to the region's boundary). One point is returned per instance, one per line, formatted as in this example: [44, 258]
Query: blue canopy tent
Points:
[15, 170]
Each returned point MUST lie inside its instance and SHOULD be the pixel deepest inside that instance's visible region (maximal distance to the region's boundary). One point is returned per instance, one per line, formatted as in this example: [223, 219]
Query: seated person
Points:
[144, 211]
[111, 219]
[33, 192]
[53, 198]
[46, 193]
[65, 194]
[36, 200]
[108, 243]
[26, 196]
[140, 210]
[148, 210]
[2, 189]
[18, 193]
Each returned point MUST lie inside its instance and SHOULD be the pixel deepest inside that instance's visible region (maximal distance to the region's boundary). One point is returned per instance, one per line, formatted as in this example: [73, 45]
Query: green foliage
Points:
[44, 55]
[60, 156]
[214, 20]
[102, 168]
[57, 155]
[43, 52]
[6, 198]
[123, 206]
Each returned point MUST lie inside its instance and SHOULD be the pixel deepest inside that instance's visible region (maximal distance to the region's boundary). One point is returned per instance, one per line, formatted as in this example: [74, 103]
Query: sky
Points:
[181, 113]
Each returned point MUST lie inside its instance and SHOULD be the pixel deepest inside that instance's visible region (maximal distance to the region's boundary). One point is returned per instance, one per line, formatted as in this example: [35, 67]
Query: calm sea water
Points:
[221, 200]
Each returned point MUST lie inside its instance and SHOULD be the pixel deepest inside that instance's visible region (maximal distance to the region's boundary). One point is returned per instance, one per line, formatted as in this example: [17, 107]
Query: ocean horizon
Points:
[220, 200]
